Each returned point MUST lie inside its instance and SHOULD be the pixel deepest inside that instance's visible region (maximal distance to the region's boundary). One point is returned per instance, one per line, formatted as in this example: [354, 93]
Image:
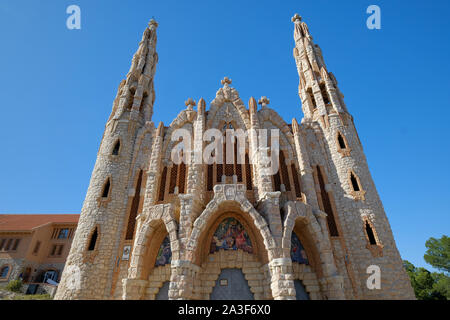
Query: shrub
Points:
[14, 285]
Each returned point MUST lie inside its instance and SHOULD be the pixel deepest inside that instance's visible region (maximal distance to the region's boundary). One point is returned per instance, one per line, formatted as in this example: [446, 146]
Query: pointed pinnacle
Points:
[201, 106]
[160, 130]
[294, 125]
[252, 105]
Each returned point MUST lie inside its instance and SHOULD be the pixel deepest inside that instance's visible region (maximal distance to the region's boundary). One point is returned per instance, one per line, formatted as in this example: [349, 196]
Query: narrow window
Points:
[326, 204]
[284, 172]
[355, 184]
[116, 148]
[53, 250]
[341, 141]
[93, 240]
[60, 249]
[298, 191]
[248, 172]
[2, 243]
[8, 244]
[134, 208]
[277, 181]
[105, 192]
[219, 172]
[311, 96]
[324, 92]
[173, 178]
[210, 177]
[182, 181]
[162, 185]
[16, 244]
[370, 234]
[36, 247]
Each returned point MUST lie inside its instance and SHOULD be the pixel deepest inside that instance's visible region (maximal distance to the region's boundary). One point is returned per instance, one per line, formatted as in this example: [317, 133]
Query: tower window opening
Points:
[93, 240]
[311, 96]
[134, 209]
[116, 148]
[355, 183]
[106, 188]
[324, 92]
[370, 234]
[326, 204]
[341, 141]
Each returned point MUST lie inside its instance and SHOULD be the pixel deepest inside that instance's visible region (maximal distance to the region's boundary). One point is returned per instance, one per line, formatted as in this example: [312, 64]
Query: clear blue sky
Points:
[57, 87]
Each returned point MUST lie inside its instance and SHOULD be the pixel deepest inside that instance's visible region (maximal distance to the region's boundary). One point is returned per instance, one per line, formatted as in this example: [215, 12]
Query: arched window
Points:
[296, 178]
[311, 96]
[326, 204]
[134, 208]
[106, 187]
[355, 183]
[370, 234]
[341, 141]
[93, 240]
[116, 148]
[4, 271]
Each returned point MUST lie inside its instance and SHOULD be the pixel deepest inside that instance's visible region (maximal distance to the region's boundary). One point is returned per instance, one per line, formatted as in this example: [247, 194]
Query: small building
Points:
[34, 247]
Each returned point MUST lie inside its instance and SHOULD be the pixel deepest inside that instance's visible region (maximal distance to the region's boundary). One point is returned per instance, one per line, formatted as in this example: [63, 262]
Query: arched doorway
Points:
[231, 285]
[163, 293]
[300, 291]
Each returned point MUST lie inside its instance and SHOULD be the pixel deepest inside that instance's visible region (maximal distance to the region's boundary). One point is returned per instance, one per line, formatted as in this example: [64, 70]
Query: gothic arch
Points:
[300, 219]
[230, 198]
[158, 223]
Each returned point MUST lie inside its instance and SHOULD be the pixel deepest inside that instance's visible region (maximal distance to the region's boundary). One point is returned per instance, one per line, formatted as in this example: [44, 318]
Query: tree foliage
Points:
[432, 285]
[438, 253]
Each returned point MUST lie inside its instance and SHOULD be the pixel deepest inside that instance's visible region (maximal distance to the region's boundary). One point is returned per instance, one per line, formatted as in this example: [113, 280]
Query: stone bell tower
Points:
[93, 255]
[362, 226]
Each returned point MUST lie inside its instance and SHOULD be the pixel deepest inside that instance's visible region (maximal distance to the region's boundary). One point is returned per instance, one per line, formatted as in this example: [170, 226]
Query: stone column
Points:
[182, 279]
[282, 279]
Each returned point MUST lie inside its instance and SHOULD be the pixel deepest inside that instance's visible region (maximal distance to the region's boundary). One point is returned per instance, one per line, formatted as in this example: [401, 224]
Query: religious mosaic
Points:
[164, 254]
[298, 253]
[231, 235]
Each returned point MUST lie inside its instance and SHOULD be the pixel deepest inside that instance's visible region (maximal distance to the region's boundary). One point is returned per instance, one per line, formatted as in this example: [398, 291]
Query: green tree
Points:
[438, 253]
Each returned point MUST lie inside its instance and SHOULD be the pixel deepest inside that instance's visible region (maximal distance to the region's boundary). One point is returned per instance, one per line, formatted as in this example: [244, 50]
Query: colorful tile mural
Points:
[298, 253]
[231, 235]
[164, 254]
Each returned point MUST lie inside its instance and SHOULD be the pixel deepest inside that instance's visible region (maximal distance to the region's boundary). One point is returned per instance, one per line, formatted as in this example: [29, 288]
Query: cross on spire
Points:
[226, 80]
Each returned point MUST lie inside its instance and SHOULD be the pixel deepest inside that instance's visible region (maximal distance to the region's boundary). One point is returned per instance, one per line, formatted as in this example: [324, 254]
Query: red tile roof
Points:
[27, 222]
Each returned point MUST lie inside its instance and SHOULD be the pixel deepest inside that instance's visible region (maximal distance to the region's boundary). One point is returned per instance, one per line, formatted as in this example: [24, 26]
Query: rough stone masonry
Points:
[153, 229]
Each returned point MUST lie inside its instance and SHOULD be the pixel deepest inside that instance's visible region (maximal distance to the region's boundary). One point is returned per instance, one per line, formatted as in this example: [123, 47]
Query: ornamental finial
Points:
[296, 18]
[264, 101]
[153, 23]
[190, 103]
[226, 80]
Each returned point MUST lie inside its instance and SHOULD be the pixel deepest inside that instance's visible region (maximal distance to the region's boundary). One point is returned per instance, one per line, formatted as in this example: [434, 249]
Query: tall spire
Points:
[318, 88]
[137, 93]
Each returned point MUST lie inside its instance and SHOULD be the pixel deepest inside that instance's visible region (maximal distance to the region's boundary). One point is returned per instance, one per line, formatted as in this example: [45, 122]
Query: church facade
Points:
[159, 226]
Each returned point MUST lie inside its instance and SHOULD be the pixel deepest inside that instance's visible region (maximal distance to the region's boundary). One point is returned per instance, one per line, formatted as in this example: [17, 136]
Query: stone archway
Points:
[313, 231]
[152, 228]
